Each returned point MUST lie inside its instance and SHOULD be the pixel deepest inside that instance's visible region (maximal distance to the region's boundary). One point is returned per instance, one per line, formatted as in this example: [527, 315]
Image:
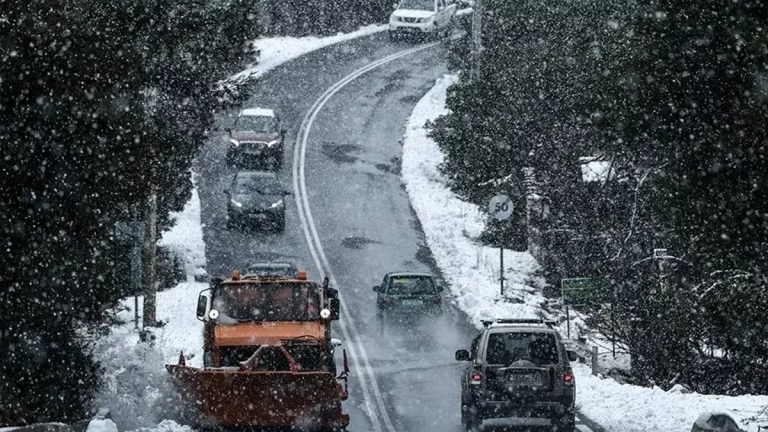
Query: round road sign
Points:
[501, 207]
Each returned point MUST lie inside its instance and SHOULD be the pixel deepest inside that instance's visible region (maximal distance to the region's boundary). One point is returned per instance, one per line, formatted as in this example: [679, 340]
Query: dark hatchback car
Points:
[408, 293]
[255, 138]
[519, 375]
[256, 198]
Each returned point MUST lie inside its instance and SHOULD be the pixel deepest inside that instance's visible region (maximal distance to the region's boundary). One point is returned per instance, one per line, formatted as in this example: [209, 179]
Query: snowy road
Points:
[353, 221]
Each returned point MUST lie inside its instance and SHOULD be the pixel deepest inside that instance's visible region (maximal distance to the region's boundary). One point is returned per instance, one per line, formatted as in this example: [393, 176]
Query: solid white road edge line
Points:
[315, 246]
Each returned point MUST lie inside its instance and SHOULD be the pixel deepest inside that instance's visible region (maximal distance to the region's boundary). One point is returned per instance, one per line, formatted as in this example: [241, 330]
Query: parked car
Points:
[255, 137]
[715, 422]
[256, 197]
[519, 374]
[422, 18]
[403, 293]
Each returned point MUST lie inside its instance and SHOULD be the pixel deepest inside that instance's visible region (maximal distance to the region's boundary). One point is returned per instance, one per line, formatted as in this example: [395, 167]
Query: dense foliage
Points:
[301, 17]
[670, 96]
[98, 100]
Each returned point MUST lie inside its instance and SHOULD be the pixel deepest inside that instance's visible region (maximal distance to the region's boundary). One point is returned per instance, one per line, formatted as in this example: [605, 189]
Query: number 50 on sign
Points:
[500, 207]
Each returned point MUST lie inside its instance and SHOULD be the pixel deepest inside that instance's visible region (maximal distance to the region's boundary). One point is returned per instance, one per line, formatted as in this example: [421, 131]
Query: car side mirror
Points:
[394, 5]
[572, 355]
[440, 289]
[335, 309]
[202, 306]
[377, 289]
[462, 355]
[287, 192]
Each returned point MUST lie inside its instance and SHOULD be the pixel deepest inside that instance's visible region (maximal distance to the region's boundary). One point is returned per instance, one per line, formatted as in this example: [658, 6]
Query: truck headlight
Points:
[237, 203]
[213, 314]
[234, 142]
[273, 143]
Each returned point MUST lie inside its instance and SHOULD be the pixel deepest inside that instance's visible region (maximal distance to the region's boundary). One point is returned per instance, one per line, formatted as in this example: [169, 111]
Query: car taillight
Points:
[436, 301]
[568, 378]
[388, 300]
[476, 378]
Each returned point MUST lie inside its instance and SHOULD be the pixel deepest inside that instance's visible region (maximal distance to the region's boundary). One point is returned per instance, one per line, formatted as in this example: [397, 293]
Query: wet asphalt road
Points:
[363, 218]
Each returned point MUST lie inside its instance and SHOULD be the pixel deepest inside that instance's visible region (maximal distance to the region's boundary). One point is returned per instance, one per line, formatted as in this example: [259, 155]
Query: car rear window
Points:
[507, 348]
[411, 285]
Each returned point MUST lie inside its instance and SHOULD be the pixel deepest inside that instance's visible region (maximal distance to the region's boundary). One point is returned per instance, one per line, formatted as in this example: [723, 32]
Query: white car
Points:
[421, 17]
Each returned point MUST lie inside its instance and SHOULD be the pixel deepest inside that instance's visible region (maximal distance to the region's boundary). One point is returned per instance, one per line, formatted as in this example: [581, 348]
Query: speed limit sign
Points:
[501, 207]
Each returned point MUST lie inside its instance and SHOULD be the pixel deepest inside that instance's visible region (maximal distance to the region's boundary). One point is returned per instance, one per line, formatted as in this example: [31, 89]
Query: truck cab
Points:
[245, 313]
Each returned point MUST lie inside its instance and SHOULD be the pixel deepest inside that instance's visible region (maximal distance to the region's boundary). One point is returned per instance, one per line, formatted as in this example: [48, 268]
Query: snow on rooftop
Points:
[257, 112]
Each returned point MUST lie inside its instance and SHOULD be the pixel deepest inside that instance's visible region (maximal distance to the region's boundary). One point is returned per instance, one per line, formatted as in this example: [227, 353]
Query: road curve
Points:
[345, 107]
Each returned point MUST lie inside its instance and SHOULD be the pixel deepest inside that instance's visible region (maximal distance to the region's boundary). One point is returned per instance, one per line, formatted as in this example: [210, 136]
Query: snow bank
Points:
[629, 408]
[452, 226]
[185, 238]
[278, 50]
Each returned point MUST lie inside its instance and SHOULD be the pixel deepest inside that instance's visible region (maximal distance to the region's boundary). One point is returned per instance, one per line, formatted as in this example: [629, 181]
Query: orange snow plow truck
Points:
[268, 356]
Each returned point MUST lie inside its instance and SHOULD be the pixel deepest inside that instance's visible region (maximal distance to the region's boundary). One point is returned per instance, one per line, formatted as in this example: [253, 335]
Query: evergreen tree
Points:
[98, 100]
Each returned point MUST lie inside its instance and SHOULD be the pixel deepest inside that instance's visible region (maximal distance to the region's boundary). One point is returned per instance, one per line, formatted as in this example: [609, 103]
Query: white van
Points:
[421, 17]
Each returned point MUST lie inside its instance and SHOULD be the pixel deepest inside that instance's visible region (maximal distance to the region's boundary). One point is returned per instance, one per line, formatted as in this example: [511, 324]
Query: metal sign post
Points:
[578, 292]
[501, 208]
[133, 232]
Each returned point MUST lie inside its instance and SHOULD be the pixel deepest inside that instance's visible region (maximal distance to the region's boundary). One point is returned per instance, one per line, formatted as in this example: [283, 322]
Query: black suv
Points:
[519, 374]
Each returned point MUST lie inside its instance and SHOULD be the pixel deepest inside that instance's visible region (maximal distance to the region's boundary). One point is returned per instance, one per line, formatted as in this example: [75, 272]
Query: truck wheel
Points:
[470, 419]
[567, 423]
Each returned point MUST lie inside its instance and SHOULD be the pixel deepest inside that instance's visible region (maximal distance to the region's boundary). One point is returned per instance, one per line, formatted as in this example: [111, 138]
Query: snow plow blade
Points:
[234, 398]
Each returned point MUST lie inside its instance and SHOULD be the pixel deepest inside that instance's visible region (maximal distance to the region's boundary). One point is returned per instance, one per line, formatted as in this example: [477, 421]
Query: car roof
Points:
[257, 112]
[409, 274]
[264, 174]
[519, 328]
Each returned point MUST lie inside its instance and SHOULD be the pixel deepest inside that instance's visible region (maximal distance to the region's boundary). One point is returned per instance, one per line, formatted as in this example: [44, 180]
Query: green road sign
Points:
[581, 291]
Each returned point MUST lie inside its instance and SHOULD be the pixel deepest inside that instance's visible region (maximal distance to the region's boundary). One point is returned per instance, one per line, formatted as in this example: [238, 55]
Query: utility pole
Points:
[150, 317]
[477, 38]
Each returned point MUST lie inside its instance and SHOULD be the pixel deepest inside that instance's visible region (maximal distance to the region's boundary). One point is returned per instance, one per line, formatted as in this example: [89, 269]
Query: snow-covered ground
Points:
[452, 227]
[278, 50]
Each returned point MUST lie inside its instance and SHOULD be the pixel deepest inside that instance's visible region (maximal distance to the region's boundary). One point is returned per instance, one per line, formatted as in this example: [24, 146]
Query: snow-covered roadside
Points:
[631, 408]
[135, 382]
[278, 50]
[452, 226]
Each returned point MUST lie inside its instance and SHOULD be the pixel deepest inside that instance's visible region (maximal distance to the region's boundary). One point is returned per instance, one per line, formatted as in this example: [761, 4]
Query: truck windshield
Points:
[507, 348]
[268, 302]
[258, 124]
